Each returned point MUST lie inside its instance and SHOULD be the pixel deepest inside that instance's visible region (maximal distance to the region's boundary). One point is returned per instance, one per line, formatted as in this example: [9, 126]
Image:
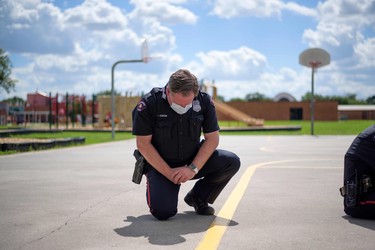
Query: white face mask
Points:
[179, 109]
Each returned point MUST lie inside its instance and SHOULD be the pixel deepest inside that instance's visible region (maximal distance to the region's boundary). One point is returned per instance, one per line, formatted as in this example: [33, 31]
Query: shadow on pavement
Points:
[370, 224]
[169, 232]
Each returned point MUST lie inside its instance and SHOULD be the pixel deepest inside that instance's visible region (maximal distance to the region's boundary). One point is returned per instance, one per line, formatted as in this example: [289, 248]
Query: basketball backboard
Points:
[314, 58]
[144, 52]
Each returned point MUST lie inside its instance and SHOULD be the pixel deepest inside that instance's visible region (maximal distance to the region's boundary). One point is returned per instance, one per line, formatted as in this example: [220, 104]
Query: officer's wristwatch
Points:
[194, 168]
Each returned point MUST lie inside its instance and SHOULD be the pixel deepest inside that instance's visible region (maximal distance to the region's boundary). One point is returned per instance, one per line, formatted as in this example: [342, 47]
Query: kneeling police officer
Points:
[359, 176]
[167, 123]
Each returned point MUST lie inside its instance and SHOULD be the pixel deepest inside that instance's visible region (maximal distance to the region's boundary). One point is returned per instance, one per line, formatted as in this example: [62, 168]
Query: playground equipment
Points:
[237, 114]
[229, 110]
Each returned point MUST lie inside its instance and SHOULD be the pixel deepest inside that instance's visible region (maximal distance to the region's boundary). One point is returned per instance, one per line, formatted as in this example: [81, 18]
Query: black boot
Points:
[201, 207]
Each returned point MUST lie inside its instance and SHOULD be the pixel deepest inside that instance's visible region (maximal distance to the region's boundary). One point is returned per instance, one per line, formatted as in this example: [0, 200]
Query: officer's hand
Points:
[182, 174]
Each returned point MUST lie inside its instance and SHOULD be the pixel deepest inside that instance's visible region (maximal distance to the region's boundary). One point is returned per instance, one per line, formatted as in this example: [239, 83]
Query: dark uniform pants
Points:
[365, 208]
[162, 194]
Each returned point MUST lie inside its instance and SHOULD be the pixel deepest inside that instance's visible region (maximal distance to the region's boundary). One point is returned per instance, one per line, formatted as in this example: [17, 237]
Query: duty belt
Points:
[350, 187]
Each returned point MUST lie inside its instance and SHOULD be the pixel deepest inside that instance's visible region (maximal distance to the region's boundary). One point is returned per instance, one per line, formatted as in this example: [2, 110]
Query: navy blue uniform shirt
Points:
[363, 147]
[175, 137]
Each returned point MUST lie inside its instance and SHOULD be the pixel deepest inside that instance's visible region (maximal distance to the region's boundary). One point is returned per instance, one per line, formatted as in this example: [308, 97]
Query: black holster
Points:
[140, 167]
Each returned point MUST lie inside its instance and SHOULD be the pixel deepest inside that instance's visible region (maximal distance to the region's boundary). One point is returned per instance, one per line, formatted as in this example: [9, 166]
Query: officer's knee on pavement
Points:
[163, 215]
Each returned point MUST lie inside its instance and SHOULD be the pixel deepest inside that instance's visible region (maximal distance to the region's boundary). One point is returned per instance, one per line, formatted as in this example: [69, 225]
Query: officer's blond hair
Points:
[182, 81]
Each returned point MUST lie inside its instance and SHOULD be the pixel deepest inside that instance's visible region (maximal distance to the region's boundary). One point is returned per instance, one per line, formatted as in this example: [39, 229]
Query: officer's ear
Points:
[168, 92]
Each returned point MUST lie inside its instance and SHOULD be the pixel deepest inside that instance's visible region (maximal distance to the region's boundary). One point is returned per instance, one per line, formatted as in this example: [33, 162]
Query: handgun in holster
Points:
[140, 167]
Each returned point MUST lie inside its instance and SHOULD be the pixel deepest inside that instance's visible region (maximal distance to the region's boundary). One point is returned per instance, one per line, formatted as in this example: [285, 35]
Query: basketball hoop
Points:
[144, 58]
[315, 65]
[314, 58]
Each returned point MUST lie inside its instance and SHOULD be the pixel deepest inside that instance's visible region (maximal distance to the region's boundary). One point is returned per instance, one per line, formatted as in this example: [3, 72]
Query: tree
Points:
[347, 99]
[108, 92]
[237, 99]
[14, 101]
[6, 82]
[317, 97]
[256, 97]
[220, 98]
[371, 100]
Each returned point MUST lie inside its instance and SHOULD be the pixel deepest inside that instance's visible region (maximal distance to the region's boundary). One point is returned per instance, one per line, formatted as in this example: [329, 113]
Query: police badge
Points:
[196, 106]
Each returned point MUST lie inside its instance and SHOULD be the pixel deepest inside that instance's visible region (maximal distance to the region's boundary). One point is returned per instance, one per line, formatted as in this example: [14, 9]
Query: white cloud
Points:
[75, 62]
[257, 8]
[92, 35]
[239, 63]
[242, 71]
[41, 28]
[270, 84]
[30, 81]
[342, 29]
[365, 51]
[32, 26]
[341, 22]
[74, 49]
[95, 15]
[337, 83]
[302, 10]
[163, 11]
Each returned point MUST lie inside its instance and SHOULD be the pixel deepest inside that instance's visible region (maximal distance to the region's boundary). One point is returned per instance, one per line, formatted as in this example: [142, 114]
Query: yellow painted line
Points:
[218, 227]
[296, 167]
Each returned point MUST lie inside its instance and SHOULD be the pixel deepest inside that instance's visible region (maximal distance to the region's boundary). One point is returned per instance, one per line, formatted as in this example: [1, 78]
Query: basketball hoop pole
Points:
[145, 59]
[312, 100]
[314, 66]
[314, 58]
[113, 93]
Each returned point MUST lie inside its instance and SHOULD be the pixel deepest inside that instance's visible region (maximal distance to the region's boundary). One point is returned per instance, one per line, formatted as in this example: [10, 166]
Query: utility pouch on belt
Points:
[354, 188]
[140, 167]
[351, 195]
[367, 183]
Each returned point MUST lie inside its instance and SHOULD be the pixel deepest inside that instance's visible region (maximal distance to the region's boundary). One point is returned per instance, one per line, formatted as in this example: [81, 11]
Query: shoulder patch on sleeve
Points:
[141, 106]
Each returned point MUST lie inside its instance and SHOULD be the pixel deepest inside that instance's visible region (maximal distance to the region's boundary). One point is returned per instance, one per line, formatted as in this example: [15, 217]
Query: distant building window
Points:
[296, 114]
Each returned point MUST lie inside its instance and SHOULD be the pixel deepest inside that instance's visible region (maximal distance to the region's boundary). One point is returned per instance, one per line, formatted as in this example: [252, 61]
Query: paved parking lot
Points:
[285, 196]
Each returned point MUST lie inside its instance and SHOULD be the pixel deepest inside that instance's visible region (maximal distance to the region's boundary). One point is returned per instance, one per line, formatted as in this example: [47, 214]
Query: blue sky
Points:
[244, 46]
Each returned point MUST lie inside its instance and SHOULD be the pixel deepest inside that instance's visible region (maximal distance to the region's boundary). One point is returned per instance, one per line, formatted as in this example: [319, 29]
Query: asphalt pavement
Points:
[285, 196]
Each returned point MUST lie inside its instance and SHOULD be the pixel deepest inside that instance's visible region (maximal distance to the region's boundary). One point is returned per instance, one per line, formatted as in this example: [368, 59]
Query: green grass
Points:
[2, 127]
[91, 137]
[352, 127]
[320, 128]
